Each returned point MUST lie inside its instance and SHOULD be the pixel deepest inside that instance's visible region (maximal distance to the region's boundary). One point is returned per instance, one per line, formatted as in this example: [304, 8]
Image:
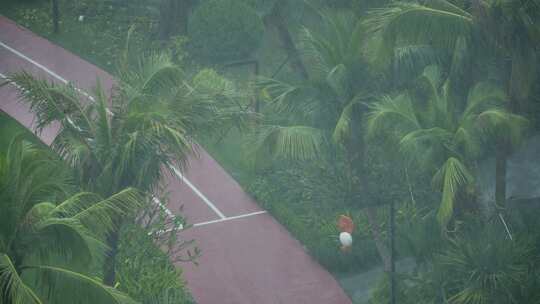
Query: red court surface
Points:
[247, 256]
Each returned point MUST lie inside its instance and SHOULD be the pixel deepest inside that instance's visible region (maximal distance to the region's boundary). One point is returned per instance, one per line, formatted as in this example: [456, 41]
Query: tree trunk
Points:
[500, 175]
[109, 267]
[174, 15]
[382, 248]
[276, 19]
[55, 16]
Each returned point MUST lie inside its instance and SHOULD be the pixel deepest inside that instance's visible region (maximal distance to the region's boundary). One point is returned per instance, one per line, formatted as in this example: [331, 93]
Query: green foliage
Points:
[439, 23]
[486, 267]
[308, 200]
[46, 248]
[151, 124]
[430, 129]
[99, 37]
[325, 109]
[224, 30]
[145, 272]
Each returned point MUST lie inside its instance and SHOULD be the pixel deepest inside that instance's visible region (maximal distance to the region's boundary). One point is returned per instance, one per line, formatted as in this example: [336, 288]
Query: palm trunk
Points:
[55, 16]
[382, 248]
[276, 19]
[500, 175]
[109, 267]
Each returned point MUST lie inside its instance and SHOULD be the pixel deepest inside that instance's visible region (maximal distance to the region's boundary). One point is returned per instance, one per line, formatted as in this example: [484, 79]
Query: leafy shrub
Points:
[145, 263]
[145, 272]
[307, 200]
[222, 30]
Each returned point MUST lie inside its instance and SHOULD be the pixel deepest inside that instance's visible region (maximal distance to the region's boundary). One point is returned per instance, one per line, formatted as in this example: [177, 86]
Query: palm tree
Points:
[133, 137]
[46, 248]
[487, 267]
[499, 34]
[325, 110]
[432, 131]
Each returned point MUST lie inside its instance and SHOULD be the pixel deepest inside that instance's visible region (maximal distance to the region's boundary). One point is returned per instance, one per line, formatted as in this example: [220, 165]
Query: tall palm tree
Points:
[324, 111]
[135, 136]
[489, 31]
[46, 247]
[431, 130]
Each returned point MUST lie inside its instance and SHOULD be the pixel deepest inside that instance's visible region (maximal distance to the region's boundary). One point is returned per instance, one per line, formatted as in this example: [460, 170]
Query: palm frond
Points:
[340, 43]
[283, 97]
[75, 204]
[411, 59]
[12, 288]
[407, 23]
[482, 96]
[390, 112]
[73, 149]
[154, 75]
[425, 144]
[451, 178]
[57, 284]
[343, 129]
[66, 238]
[51, 102]
[103, 127]
[503, 124]
[466, 139]
[291, 142]
[337, 79]
[103, 216]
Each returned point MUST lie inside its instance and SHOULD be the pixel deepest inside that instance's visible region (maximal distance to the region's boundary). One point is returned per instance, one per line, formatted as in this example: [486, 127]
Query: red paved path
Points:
[247, 260]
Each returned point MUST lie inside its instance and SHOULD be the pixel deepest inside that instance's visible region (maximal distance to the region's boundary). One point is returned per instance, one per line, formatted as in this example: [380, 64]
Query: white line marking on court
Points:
[176, 171]
[230, 218]
[199, 193]
[14, 51]
[44, 68]
[220, 220]
[212, 222]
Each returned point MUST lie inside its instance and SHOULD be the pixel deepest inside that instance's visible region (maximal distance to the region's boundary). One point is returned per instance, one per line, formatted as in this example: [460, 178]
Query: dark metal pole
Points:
[55, 16]
[392, 255]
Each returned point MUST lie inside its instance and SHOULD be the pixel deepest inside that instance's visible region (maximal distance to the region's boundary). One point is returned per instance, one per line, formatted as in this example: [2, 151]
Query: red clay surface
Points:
[247, 260]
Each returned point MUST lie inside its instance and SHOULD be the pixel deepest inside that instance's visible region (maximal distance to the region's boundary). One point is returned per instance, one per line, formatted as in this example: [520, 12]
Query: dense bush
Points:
[307, 200]
[223, 30]
[146, 273]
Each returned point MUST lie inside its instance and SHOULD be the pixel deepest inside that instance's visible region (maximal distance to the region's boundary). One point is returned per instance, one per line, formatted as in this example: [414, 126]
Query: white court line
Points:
[62, 79]
[218, 221]
[176, 171]
[230, 218]
[14, 51]
[199, 193]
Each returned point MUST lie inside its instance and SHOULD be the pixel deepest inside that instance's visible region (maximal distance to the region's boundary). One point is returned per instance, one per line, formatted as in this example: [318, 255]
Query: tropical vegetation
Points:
[50, 234]
[360, 104]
